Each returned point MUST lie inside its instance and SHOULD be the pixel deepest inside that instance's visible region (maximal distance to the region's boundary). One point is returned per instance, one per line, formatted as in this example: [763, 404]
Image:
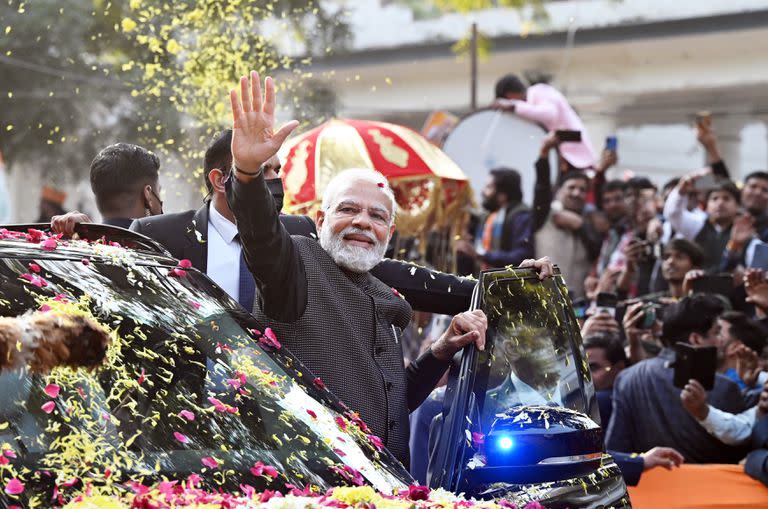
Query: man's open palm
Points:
[253, 138]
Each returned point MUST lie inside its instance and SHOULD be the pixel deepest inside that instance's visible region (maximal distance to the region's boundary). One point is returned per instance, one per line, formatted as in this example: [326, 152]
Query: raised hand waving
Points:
[254, 140]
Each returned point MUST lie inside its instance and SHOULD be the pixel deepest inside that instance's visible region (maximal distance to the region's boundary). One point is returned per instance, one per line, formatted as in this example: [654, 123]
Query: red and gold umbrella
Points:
[430, 189]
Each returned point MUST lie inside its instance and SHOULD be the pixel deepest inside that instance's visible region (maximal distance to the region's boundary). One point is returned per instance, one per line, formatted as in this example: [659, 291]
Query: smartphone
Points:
[760, 258]
[565, 135]
[721, 284]
[580, 307]
[705, 182]
[650, 315]
[611, 142]
[695, 362]
[606, 303]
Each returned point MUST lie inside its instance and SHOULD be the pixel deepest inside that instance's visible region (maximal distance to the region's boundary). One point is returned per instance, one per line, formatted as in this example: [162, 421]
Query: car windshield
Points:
[189, 384]
[534, 355]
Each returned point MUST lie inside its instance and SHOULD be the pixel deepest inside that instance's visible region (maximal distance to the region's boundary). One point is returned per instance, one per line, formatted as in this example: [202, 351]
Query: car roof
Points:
[92, 241]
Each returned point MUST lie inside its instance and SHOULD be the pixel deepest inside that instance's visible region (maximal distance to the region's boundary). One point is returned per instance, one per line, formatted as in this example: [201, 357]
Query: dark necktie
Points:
[247, 287]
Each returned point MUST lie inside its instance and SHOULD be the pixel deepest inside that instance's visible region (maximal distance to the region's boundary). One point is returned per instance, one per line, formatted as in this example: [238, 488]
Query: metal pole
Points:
[473, 67]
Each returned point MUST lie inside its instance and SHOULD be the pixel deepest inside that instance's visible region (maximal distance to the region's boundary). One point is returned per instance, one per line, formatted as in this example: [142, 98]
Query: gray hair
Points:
[356, 175]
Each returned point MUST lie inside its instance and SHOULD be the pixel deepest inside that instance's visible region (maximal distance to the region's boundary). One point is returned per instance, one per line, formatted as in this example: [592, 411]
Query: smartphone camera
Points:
[606, 303]
[650, 315]
[611, 143]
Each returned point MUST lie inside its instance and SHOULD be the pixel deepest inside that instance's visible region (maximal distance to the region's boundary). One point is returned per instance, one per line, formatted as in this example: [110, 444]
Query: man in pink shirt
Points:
[545, 104]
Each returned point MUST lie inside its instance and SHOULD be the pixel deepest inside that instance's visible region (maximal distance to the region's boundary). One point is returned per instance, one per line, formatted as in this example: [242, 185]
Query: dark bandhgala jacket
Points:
[344, 326]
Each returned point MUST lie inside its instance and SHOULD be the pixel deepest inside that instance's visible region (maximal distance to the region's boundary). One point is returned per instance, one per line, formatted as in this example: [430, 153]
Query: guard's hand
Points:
[694, 399]
[468, 327]
[662, 457]
[543, 266]
[66, 223]
[253, 138]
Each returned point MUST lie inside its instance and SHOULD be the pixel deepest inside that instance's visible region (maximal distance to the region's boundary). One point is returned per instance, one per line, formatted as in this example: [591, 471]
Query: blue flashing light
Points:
[505, 443]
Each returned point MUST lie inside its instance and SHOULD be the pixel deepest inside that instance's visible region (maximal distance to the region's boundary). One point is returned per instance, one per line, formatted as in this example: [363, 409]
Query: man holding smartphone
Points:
[647, 411]
[546, 105]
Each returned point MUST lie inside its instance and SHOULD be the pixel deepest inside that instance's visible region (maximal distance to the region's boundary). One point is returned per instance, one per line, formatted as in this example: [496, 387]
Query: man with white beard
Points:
[319, 298]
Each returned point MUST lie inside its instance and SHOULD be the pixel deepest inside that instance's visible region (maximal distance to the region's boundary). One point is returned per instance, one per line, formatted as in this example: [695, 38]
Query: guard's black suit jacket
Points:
[185, 236]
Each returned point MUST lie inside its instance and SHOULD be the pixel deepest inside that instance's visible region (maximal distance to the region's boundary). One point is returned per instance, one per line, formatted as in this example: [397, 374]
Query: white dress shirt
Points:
[223, 253]
[733, 429]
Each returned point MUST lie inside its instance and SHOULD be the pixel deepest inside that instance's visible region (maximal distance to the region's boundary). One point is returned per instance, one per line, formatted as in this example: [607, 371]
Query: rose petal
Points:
[187, 415]
[45, 308]
[52, 390]
[312, 414]
[85, 261]
[209, 462]
[181, 437]
[14, 487]
[34, 267]
[185, 264]
[48, 407]
[49, 244]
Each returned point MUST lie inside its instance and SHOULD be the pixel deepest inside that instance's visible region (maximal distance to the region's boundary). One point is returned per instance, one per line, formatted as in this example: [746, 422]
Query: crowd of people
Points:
[648, 269]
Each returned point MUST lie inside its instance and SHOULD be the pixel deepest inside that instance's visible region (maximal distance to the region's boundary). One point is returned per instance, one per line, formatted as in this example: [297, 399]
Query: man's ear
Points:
[695, 339]
[319, 219]
[216, 179]
[391, 230]
[146, 196]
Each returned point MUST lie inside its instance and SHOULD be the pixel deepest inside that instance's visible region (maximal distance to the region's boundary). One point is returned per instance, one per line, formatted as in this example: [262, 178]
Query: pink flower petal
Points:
[34, 267]
[312, 414]
[185, 264]
[48, 407]
[319, 383]
[209, 462]
[181, 437]
[85, 261]
[49, 244]
[45, 308]
[187, 415]
[194, 304]
[14, 487]
[52, 390]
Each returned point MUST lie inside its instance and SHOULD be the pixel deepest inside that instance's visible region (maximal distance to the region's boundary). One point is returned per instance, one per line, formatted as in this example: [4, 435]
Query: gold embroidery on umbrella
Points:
[391, 152]
[295, 178]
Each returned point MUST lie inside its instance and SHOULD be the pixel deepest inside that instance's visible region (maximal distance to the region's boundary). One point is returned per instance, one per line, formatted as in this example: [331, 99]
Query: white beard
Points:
[353, 258]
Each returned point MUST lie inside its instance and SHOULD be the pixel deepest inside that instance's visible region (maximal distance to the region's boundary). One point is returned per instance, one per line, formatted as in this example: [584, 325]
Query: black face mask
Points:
[275, 187]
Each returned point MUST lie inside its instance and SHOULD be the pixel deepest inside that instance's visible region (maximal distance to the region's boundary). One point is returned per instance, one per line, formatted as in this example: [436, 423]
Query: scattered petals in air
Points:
[341, 423]
[45, 308]
[185, 264]
[85, 261]
[319, 383]
[194, 304]
[52, 390]
[14, 487]
[478, 439]
[311, 413]
[416, 492]
[48, 407]
[34, 268]
[142, 377]
[184, 439]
